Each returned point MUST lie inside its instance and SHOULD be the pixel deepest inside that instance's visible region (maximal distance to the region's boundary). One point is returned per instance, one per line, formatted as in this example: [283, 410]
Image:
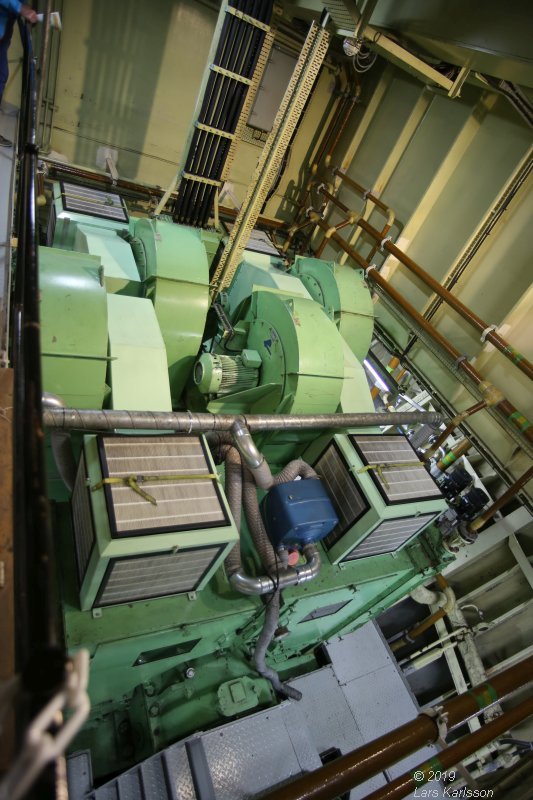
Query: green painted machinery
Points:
[145, 528]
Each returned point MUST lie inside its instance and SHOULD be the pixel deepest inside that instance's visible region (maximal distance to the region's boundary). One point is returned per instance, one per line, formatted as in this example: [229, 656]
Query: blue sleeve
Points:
[11, 5]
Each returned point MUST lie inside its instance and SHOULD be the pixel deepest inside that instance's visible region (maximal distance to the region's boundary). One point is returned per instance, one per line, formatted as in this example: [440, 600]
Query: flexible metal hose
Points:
[233, 489]
[294, 469]
[265, 637]
[255, 523]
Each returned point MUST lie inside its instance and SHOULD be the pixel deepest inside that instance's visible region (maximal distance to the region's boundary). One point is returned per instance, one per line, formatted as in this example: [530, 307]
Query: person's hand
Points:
[28, 13]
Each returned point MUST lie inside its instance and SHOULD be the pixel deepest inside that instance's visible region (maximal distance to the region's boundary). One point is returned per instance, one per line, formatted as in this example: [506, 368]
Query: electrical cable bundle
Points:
[237, 52]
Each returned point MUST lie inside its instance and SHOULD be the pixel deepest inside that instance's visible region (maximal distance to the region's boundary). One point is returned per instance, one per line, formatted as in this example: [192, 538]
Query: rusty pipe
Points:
[452, 455]
[478, 523]
[488, 334]
[450, 756]
[355, 767]
[506, 408]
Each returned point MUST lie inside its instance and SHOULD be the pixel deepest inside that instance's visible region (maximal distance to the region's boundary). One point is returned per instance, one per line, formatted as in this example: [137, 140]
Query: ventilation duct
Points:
[381, 492]
[149, 518]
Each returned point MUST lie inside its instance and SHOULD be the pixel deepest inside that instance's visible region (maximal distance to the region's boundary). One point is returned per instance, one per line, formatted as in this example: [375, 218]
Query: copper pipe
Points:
[452, 455]
[393, 363]
[352, 100]
[293, 230]
[320, 152]
[343, 111]
[262, 222]
[507, 409]
[427, 623]
[391, 366]
[466, 313]
[478, 523]
[386, 228]
[448, 758]
[323, 243]
[340, 113]
[456, 421]
[362, 191]
[367, 195]
[357, 766]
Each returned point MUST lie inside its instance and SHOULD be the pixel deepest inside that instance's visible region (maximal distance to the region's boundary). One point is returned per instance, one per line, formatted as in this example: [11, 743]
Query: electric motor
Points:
[219, 375]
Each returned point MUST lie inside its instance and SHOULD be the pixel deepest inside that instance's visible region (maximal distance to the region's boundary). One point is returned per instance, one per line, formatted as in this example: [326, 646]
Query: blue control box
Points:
[298, 512]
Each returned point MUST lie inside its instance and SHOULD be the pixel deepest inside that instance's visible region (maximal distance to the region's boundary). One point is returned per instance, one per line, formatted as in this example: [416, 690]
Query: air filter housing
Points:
[74, 204]
[129, 547]
[381, 492]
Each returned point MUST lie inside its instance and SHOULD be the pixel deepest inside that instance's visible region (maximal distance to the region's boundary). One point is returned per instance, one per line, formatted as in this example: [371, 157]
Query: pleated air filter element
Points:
[182, 503]
[93, 202]
[382, 494]
[389, 536]
[150, 518]
[401, 477]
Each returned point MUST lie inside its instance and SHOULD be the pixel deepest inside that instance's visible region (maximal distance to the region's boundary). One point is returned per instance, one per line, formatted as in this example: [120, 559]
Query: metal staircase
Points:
[356, 698]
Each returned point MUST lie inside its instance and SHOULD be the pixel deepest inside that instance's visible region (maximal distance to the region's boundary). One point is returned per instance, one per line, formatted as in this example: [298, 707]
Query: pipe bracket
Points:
[440, 719]
[459, 360]
[486, 332]
[384, 242]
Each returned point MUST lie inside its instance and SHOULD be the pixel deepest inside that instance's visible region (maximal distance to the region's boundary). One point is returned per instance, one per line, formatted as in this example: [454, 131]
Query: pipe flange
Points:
[486, 332]
[440, 719]
[384, 242]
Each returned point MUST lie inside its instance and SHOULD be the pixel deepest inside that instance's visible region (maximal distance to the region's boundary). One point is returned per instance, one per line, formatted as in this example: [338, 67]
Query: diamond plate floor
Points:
[358, 697]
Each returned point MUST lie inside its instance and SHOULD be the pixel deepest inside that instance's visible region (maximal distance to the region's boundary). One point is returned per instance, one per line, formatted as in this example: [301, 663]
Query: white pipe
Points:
[292, 576]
